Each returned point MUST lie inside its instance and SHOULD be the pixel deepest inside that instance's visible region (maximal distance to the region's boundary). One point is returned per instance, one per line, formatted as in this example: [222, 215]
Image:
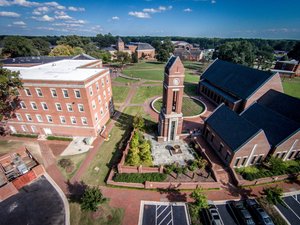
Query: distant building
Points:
[143, 50]
[236, 86]
[186, 51]
[270, 126]
[63, 98]
[287, 68]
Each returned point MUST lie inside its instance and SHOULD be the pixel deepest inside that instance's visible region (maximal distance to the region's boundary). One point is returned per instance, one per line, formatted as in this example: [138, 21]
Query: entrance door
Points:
[12, 129]
[47, 131]
[172, 135]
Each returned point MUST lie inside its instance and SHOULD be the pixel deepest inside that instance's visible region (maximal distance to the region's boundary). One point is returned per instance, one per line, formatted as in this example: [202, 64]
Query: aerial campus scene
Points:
[149, 112]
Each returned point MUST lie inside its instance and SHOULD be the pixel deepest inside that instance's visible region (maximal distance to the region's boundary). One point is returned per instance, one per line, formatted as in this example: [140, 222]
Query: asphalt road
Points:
[226, 214]
[292, 210]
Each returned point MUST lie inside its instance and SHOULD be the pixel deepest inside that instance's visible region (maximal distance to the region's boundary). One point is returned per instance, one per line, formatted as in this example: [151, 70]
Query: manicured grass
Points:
[124, 80]
[143, 93]
[7, 146]
[190, 107]
[120, 93]
[76, 160]
[133, 110]
[106, 215]
[190, 89]
[292, 86]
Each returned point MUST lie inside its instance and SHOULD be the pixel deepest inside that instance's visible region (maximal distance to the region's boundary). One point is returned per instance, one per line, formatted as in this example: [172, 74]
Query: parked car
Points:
[213, 216]
[259, 214]
[242, 214]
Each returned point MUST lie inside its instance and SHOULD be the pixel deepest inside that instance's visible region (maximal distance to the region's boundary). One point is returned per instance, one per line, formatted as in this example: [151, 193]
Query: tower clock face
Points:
[176, 81]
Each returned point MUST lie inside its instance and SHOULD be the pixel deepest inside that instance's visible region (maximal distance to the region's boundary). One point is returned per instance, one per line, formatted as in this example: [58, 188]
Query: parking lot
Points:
[292, 210]
[227, 214]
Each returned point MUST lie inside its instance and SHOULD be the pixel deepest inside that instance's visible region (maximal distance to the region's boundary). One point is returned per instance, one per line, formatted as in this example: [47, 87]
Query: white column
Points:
[251, 154]
[288, 153]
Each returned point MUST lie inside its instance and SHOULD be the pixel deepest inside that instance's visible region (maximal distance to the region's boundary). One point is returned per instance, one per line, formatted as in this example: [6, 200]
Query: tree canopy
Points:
[295, 52]
[16, 46]
[91, 199]
[62, 50]
[41, 45]
[74, 41]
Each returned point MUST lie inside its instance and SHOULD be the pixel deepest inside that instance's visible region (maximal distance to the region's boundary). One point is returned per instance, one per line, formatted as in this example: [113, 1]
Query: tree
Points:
[78, 51]
[91, 199]
[74, 41]
[138, 122]
[134, 58]
[295, 52]
[167, 45]
[10, 82]
[65, 163]
[145, 153]
[277, 165]
[133, 157]
[105, 40]
[41, 45]
[123, 57]
[18, 46]
[264, 57]
[134, 143]
[200, 200]
[62, 50]
[274, 195]
[162, 55]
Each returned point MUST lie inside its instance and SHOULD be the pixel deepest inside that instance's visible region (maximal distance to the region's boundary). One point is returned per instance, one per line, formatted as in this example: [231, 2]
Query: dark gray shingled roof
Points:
[109, 49]
[170, 62]
[233, 129]
[284, 104]
[141, 45]
[238, 80]
[33, 59]
[276, 126]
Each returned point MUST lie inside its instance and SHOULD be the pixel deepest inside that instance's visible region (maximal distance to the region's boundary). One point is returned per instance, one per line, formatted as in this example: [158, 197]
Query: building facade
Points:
[170, 117]
[287, 68]
[63, 98]
[236, 86]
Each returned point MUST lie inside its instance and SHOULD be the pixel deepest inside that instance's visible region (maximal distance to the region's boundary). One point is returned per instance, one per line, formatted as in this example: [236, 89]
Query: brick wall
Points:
[289, 147]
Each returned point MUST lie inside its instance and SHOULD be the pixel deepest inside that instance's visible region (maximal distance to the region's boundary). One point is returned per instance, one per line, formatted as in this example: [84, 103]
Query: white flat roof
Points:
[63, 70]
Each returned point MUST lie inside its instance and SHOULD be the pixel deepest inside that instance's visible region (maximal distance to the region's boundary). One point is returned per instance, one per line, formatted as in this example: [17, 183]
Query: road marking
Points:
[286, 220]
[165, 218]
[296, 198]
[162, 212]
[291, 210]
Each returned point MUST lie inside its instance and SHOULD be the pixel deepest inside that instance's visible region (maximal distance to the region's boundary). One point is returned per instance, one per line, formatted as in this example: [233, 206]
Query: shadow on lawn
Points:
[76, 191]
[124, 122]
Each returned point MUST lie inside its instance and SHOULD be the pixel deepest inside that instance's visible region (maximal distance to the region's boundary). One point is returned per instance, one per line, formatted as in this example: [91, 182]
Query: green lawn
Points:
[190, 107]
[143, 93]
[292, 86]
[119, 93]
[106, 215]
[76, 160]
[124, 80]
[190, 89]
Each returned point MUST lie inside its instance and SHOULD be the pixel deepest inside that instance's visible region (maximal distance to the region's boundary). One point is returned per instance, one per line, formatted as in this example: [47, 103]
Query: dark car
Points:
[213, 216]
[259, 214]
[242, 214]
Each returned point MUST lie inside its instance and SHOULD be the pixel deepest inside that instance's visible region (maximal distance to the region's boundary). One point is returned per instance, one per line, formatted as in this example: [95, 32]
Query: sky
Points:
[271, 19]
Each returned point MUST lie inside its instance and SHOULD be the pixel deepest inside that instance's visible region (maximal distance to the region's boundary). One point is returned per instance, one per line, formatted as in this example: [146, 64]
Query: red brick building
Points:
[66, 97]
[287, 68]
[236, 86]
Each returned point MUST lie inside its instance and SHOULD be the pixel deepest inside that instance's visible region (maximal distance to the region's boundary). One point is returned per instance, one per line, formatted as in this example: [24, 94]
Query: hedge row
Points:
[139, 177]
[25, 135]
[59, 138]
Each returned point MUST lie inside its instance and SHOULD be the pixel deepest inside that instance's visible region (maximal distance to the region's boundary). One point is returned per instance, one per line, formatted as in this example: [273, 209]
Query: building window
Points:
[39, 118]
[80, 108]
[62, 119]
[39, 92]
[108, 90]
[93, 104]
[33, 128]
[65, 93]
[84, 120]
[102, 82]
[283, 154]
[212, 138]
[221, 147]
[237, 161]
[69, 107]
[28, 116]
[73, 120]
[277, 154]
[244, 161]
[259, 159]
[27, 92]
[101, 111]
[22, 104]
[53, 93]
[33, 105]
[96, 116]
[24, 128]
[77, 94]
[58, 106]
[97, 86]
[227, 156]
[107, 80]
[253, 159]
[19, 117]
[91, 90]
[99, 99]
[104, 94]
[291, 154]
[106, 106]
[297, 155]
[44, 105]
[49, 118]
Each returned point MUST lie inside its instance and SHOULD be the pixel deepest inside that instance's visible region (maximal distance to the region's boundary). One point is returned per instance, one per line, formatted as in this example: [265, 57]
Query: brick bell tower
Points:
[170, 117]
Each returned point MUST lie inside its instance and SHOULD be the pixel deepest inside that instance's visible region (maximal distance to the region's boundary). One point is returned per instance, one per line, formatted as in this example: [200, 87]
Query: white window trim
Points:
[19, 117]
[236, 160]
[96, 117]
[75, 93]
[71, 118]
[35, 105]
[53, 89]
[82, 118]
[57, 103]
[68, 107]
[94, 104]
[99, 99]
[102, 82]
[64, 93]
[91, 91]
[40, 121]
[104, 94]
[101, 111]
[60, 118]
[27, 117]
[24, 128]
[106, 106]
[24, 105]
[47, 116]
[79, 107]
[26, 92]
[34, 130]
[36, 90]
[97, 86]
[42, 103]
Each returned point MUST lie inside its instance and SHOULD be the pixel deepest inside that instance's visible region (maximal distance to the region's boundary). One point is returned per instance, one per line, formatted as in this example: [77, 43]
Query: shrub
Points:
[65, 163]
[25, 135]
[91, 199]
[274, 195]
[59, 138]
[139, 177]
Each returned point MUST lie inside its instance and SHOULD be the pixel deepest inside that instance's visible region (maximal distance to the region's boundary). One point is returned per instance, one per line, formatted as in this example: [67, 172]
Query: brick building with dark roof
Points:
[236, 86]
[269, 126]
[287, 68]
